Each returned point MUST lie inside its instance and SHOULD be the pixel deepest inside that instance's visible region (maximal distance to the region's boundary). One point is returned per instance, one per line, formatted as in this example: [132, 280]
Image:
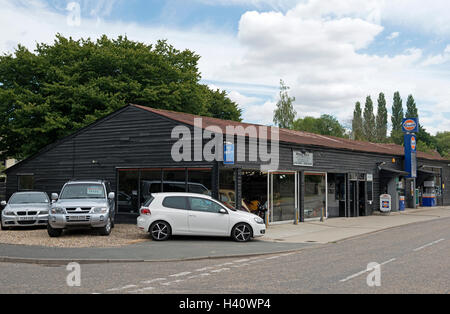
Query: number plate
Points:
[27, 218]
[77, 218]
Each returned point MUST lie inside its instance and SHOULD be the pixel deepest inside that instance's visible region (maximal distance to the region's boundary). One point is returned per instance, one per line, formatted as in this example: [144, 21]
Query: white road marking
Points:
[241, 260]
[205, 274]
[123, 288]
[427, 245]
[181, 274]
[226, 264]
[219, 270]
[273, 257]
[153, 280]
[365, 271]
[171, 282]
[204, 269]
[288, 254]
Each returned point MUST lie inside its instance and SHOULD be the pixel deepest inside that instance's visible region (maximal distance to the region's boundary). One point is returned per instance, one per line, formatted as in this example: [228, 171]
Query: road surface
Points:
[413, 258]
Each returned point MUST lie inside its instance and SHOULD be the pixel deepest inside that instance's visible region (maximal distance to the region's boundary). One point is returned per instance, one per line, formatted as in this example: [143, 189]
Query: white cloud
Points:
[439, 58]
[315, 47]
[393, 35]
[242, 99]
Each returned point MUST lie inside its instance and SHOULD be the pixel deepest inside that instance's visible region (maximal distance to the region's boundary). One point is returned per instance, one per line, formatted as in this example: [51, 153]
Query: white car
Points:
[166, 214]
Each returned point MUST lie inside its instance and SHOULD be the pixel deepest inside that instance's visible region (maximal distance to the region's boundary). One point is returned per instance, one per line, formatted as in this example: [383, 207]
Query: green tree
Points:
[307, 124]
[381, 120]
[357, 123]
[443, 143]
[425, 141]
[218, 105]
[369, 121]
[60, 88]
[397, 120]
[325, 125]
[285, 113]
[411, 108]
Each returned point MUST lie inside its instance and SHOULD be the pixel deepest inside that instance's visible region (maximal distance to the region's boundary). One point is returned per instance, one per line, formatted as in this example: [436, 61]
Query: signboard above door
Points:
[303, 159]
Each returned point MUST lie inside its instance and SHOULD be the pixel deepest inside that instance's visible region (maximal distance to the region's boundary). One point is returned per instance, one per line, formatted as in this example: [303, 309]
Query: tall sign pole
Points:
[410, 127]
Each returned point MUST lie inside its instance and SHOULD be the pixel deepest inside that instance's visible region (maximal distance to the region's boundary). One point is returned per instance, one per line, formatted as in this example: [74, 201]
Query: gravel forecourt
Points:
[121, 235]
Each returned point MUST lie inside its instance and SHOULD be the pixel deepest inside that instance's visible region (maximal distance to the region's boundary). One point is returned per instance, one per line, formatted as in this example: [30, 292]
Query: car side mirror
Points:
[3, 203]
[223, 211]
[55, 196]
[111, 195]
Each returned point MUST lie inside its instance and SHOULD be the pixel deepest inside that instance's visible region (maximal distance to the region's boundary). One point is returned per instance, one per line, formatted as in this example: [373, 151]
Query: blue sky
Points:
[331, 53]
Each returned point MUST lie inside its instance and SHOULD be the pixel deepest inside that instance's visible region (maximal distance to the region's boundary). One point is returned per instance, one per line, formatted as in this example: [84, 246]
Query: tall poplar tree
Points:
[397, 119]
[357, 123]
[369, 121]
[382, 119]
[411, 108]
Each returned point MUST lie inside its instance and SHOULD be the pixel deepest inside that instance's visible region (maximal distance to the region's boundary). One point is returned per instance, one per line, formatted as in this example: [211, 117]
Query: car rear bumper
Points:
[143, 223]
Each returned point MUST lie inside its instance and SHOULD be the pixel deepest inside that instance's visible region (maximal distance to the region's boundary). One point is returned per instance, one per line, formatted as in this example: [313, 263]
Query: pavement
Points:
[338, 229]
[279, 239]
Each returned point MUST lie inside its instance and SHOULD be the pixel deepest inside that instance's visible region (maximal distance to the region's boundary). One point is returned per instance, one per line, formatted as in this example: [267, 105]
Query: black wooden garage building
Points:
[317, 175]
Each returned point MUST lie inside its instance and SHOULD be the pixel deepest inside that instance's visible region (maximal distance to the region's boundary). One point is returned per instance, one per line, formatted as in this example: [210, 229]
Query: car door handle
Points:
[192, 216]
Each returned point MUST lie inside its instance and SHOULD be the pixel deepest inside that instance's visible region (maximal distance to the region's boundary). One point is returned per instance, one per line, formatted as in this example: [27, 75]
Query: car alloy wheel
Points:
[106, 230]
[160, 231]
[108, 226]
[242, 233]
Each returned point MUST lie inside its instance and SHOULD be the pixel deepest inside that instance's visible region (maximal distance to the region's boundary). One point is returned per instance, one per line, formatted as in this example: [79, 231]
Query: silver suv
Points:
[82, 204]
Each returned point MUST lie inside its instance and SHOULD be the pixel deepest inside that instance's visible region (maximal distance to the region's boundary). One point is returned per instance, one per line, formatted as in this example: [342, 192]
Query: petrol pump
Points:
[429, 194]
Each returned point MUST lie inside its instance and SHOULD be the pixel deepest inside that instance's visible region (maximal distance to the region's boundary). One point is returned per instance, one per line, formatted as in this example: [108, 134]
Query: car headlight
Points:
[100, 210]
[259, 220]
[9, 213]
[58, 210]
[43, 212]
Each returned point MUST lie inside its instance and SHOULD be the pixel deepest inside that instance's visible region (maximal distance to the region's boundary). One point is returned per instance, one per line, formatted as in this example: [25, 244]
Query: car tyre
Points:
[160, 231]
[54, 233]
[4, 228]
[242, 232]
[106, 230]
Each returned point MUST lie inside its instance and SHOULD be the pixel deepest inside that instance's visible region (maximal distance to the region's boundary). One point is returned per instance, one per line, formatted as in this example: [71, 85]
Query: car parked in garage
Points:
[25, 209]
[82, 204]
[167, 214]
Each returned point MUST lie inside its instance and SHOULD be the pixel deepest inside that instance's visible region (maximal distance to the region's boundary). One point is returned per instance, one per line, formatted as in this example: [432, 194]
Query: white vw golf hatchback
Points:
[166, 214]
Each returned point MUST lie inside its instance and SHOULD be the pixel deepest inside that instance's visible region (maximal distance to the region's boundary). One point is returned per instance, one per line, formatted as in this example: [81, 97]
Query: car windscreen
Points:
[29, 198]
[83, 191]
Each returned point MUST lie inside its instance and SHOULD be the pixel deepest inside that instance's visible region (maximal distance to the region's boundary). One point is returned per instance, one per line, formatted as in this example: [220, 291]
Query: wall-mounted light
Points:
[394, 160]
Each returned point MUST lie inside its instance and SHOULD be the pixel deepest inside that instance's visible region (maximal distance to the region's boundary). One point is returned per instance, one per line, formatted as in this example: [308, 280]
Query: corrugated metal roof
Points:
[294, 137]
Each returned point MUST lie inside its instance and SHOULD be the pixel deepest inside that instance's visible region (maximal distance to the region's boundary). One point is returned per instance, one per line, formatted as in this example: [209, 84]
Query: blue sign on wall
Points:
[410, 125]
[228, 154]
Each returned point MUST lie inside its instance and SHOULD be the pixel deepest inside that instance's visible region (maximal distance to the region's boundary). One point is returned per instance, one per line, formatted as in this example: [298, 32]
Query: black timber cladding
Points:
[131, 138]
[136, 138]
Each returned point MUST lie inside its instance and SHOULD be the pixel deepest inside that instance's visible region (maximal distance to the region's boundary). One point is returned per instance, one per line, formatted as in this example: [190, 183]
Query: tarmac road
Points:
[414, 258]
